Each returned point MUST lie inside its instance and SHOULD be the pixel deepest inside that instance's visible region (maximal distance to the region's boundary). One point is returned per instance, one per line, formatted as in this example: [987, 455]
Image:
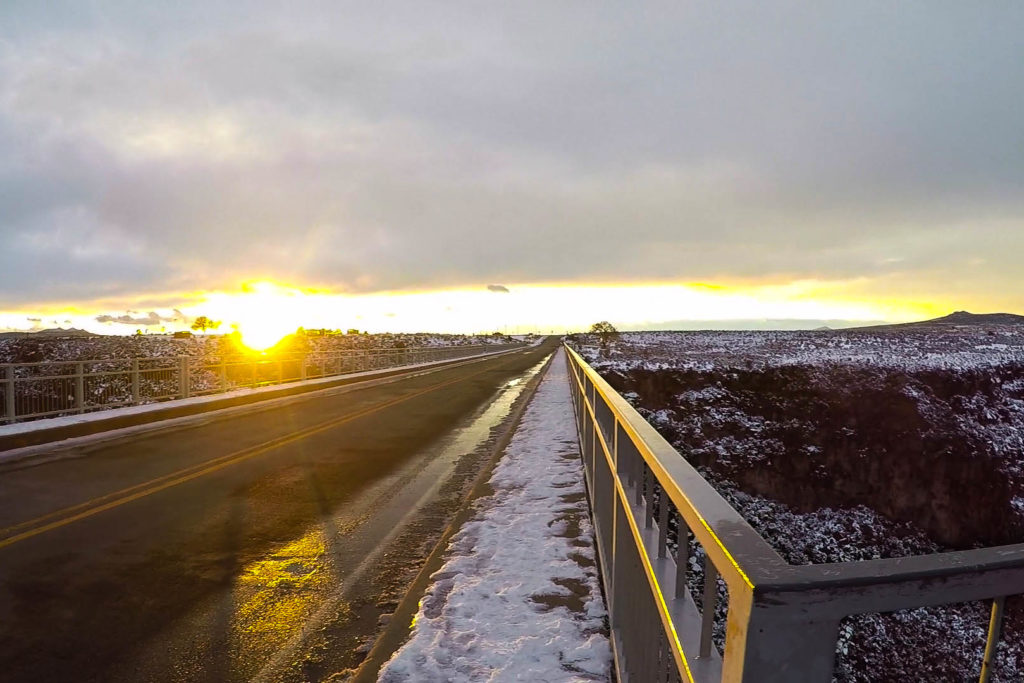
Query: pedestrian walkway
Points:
[518, 597]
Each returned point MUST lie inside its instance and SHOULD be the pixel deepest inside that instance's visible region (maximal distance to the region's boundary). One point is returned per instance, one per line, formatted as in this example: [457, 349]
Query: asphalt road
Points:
[255, 546]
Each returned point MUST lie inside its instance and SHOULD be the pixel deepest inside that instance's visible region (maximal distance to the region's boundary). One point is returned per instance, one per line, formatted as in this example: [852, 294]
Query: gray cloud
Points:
[151, 318]
[155, 151]
[500, 289]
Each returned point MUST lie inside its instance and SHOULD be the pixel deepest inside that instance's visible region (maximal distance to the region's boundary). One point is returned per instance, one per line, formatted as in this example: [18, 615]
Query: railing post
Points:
[183, 378]
[682, 555]
[995, 627]
[9, 404]
[80, 387]
[223, 375]
[302, 371]
[707, 611]
[135, 381]
[770, 642]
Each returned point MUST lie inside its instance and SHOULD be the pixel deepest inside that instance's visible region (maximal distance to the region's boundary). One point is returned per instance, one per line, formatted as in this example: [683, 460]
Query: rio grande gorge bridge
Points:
[246, 522]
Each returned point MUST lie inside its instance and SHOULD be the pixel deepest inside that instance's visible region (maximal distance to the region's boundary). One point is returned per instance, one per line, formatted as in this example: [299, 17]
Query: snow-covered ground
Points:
[518, 597]
[911, 349]
[211, 348]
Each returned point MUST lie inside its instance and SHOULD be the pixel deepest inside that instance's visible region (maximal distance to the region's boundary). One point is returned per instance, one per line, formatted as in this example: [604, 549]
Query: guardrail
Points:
[47, 389]
[782, 621]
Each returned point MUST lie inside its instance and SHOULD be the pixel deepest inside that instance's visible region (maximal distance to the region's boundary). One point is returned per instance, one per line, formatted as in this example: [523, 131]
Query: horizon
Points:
[738, 325]
[270, 311]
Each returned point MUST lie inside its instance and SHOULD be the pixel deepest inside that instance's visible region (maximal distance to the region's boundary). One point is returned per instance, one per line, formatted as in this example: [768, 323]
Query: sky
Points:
[519, 165]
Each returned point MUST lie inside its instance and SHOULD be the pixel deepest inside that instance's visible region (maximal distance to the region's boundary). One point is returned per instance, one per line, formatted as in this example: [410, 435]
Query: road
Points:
[259, 545]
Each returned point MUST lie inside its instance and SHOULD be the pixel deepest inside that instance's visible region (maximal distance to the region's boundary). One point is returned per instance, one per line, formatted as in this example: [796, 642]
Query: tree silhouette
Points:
[202, 323]
[606, 332]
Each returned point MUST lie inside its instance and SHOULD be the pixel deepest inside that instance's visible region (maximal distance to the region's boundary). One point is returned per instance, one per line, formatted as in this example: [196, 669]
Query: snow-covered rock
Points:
[848, 445]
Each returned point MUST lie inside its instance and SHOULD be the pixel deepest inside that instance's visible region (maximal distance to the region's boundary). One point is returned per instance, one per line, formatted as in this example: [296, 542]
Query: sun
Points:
[259, 337]
[264, 313]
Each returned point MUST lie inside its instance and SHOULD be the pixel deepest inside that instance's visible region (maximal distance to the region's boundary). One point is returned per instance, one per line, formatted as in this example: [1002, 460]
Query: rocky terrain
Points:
[851, 445]
[52, 346]
[46, 363]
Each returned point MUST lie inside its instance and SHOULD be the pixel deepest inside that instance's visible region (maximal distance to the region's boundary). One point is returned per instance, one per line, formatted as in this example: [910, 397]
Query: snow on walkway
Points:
[518, 597]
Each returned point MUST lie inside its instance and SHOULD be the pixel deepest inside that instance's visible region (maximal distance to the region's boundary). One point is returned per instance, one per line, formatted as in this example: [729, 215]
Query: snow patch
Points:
[518, 597]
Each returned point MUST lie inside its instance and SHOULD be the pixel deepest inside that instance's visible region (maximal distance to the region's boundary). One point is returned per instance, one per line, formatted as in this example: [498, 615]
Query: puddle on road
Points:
[276, 595]
[469, 438]
[287, 594]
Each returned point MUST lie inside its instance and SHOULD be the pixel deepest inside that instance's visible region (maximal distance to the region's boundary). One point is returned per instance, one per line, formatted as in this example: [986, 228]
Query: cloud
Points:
[501, 289]
[151, 318]
[34, 320]
[345, 150]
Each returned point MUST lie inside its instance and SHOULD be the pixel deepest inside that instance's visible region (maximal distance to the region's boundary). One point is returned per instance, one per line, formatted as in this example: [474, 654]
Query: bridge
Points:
[221, 540]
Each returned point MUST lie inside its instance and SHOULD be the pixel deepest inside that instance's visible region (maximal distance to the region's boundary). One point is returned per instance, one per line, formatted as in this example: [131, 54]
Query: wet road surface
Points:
[259, 546]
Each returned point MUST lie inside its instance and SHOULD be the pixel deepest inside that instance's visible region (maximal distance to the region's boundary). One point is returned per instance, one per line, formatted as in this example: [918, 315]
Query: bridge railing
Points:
[781, 620]
[52, 388]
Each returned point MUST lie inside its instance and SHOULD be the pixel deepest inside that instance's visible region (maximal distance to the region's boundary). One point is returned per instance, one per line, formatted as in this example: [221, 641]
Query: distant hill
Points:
[960, 319]
[965, 318]
[55, 332]
[70, 332]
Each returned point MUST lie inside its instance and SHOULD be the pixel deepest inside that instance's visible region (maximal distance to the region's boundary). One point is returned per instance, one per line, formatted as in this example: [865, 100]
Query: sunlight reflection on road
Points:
[276, 595]
[283, 601]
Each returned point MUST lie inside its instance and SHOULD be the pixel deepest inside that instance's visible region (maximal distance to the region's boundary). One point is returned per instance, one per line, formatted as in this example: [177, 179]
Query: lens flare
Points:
[264, 313]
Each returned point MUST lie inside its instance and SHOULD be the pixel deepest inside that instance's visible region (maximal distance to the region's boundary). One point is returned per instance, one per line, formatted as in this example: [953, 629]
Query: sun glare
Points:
[259, 337]
[263, 313]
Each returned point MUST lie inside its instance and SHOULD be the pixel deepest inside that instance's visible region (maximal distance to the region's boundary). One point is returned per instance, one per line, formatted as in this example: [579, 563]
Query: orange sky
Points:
[265, 310]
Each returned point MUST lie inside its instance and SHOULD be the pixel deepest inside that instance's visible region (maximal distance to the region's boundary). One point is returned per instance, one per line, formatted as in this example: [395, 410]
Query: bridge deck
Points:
[206, 552]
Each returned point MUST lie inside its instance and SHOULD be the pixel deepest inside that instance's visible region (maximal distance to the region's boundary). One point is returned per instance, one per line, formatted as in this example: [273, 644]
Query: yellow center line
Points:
[131, 493]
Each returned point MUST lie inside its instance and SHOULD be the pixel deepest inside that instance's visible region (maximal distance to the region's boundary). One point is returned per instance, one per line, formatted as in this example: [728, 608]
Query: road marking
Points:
[131, 493]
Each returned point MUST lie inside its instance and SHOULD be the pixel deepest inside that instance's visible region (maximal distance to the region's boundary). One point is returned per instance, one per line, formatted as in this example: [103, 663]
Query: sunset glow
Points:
[263, 312]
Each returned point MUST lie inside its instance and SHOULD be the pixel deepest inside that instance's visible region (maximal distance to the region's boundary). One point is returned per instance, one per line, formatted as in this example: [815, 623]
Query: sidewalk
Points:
[518, 597]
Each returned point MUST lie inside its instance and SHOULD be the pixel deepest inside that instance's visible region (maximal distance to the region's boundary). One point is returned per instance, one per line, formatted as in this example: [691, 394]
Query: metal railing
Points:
[782, 620]
[48, 389]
